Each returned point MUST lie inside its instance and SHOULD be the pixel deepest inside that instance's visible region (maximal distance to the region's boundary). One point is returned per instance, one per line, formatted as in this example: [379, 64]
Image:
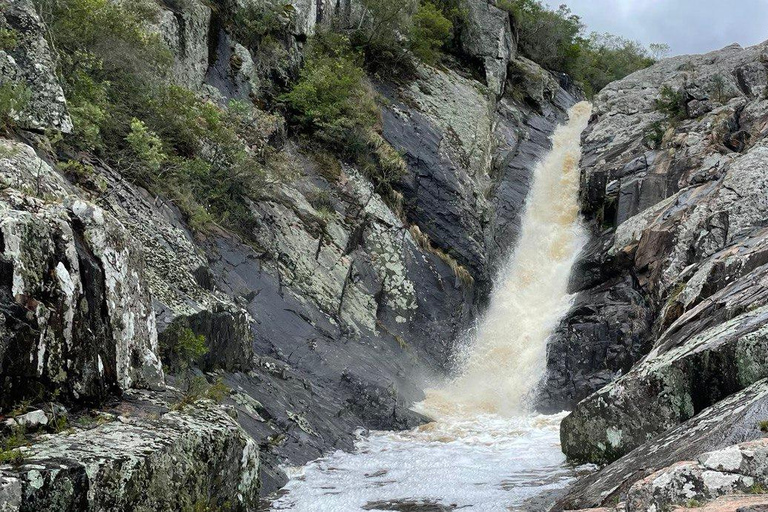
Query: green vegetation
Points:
[334, 103]
[181, 348]
[9, 39]
[115, 74]
[430, 33]
[763, 426]
[10, 444]
[671, 103]
[757, 488]
[14, 98]
[198, 388]
[258, 22]
[556, 40]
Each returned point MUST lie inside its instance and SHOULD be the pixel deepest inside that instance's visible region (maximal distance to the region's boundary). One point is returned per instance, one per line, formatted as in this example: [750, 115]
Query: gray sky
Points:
[687, 26]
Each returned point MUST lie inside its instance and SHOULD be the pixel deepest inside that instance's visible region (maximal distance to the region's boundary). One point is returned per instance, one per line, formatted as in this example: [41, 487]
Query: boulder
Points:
[733, 420]
[147, 458]
[487, 37]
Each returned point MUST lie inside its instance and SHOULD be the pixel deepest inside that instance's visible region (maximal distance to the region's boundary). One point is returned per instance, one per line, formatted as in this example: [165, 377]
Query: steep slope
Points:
[674, 182]
[329, 314]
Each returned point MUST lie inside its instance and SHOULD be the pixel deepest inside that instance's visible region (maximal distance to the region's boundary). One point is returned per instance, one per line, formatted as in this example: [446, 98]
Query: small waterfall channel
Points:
[485, 450]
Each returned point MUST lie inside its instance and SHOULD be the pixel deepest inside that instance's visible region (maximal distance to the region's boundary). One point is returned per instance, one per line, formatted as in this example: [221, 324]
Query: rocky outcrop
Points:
[470, 158]
[734, 420]
[27, 66]
[487, 37]
[184, 26]
[677, 210]
[77, 314]
[141, 457]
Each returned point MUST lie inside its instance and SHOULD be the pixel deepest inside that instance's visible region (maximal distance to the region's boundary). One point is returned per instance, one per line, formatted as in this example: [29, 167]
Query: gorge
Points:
[439, 255]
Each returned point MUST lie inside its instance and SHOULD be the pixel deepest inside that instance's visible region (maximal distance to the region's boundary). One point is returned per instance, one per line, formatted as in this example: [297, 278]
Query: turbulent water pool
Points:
[486, 464]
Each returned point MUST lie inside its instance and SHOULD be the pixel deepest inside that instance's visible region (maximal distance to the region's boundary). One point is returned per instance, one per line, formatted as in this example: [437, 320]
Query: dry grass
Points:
[423, 241]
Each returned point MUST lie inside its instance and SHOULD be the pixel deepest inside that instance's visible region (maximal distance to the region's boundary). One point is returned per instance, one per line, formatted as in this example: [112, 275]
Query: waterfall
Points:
[506, 356]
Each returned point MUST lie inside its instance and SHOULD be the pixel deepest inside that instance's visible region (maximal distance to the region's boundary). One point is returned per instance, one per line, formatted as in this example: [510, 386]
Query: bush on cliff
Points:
[116, 77]
[431, 31]
[556, 40]
[334, 102]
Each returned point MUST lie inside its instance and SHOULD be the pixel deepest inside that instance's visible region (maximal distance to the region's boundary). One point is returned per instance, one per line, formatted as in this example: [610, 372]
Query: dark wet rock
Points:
[470, 161]
[676, 221]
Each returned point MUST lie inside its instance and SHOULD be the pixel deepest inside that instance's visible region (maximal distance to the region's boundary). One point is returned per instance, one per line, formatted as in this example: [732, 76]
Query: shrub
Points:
[555, 40]
[383, 23]
[9, 39]
[251, 24]
[671, 103]
[14, 98]
[146, 146]
[332, 95]
[181, 348]
[198, 388]
[430, 33]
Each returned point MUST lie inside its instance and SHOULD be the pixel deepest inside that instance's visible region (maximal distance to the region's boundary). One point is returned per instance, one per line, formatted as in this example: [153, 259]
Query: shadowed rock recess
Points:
[663, 356]
[329, 314]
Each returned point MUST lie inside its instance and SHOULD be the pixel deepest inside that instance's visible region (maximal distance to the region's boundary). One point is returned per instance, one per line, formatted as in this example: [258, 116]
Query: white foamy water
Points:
[488, 464]
[484, 452]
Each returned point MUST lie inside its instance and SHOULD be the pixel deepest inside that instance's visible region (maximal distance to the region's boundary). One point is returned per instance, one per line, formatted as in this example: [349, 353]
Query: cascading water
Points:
[485, 451]
[506, 358]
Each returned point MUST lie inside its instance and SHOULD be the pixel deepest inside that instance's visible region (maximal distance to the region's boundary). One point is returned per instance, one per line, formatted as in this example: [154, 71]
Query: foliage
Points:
[9, 39]
[146, 146]
[198, 388]
[251, 24]
[671, 103]
[334, 103]
[14, 98]
[180, 348]
[162, 136]
[555, 39]
[654, 135]
[383, 24]
[431, 31]
[10, 444]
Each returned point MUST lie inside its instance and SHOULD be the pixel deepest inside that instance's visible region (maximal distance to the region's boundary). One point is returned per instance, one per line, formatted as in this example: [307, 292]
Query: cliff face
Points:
[331, 314]
[671, 293]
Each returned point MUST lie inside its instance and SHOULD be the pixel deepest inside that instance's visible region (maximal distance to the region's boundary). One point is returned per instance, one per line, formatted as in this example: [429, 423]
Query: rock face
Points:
[487, 37]
[28, 61]
[165, 460]
[733, 420]
[470, 159]
[77, 310]
[675, 278]
[677, 208]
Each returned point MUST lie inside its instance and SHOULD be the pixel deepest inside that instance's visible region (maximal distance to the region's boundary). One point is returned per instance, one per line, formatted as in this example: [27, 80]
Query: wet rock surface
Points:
[668, 206]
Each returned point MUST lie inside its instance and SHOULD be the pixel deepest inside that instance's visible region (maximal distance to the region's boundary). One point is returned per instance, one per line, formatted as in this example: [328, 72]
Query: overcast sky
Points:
[687, 26]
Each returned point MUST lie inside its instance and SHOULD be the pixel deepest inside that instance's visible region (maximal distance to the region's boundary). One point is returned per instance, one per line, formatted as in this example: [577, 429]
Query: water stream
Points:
[485, 451]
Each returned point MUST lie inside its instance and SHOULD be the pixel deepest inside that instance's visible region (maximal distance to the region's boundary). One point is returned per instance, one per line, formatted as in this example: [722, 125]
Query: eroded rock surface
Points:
[141, 457]
[676, 268]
